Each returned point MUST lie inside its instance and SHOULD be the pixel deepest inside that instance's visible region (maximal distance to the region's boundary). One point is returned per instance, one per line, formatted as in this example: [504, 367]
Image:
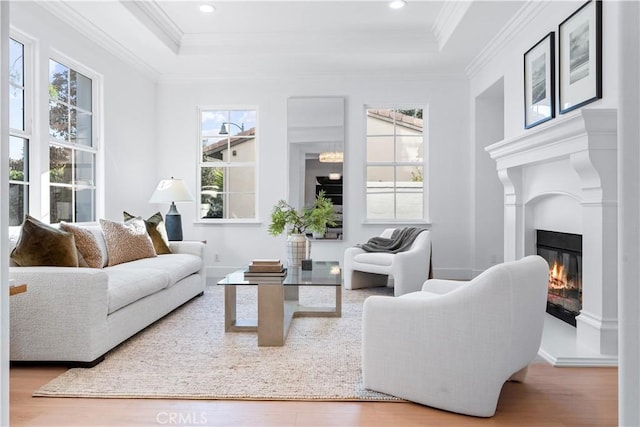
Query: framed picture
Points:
[580, 57]
[539, 82]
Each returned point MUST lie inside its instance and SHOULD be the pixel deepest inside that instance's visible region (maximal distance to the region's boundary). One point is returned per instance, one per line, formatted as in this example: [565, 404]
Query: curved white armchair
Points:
[454, 344]
[409, 269]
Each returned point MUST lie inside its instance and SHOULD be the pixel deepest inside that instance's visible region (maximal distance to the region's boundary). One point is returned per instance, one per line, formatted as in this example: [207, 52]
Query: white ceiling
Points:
[173, 39]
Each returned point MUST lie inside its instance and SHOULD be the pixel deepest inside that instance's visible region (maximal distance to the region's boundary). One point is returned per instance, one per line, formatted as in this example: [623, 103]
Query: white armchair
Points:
[454, 344]
[409, 269]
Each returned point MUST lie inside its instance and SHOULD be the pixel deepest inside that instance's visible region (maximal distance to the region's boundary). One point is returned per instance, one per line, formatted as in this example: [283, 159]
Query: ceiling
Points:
[173, 39]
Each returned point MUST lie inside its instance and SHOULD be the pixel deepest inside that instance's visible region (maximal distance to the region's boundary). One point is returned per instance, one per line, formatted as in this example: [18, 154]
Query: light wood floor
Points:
[549, 397]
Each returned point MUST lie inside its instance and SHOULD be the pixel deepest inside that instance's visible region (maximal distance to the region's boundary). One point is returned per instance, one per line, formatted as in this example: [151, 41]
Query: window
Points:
[19, 134]
[395, 164]
[72, 151]
[227, 164]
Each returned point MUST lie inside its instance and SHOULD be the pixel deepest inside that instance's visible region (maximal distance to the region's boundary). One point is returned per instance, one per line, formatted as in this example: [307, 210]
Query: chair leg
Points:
[362, 279]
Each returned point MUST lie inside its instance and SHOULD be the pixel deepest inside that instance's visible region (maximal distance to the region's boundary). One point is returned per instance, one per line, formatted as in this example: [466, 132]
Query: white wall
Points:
[448, 177]
[128, 103]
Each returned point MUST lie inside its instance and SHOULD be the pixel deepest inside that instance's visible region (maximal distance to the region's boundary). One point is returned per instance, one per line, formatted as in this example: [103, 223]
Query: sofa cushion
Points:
[128, 285]
[127, 241]
[156, 230]
[86, 244]
[39, 244]
[376, 258]
[177, 266]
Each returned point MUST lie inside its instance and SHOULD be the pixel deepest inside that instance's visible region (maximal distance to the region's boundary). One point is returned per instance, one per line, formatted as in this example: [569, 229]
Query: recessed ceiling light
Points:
[207, 8]
[397, 4]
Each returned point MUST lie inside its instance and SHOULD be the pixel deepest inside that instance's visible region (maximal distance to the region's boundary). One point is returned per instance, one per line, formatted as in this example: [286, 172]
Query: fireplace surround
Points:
[561, 175]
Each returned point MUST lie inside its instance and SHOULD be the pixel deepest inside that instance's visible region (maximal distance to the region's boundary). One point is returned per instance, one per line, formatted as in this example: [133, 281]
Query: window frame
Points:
[424, 220]
[95, 149]
[200, 164]
[28, 118]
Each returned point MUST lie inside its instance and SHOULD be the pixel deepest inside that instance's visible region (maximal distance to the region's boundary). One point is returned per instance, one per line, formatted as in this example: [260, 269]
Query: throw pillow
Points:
[156, 230]
[40, 244]
[86, 244]
[127, 241]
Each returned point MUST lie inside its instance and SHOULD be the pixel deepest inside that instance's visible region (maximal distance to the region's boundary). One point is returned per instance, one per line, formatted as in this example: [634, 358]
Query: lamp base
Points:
[173, 223]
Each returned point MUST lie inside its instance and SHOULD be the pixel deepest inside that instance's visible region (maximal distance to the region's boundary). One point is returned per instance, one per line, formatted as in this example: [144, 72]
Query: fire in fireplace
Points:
[563, 252]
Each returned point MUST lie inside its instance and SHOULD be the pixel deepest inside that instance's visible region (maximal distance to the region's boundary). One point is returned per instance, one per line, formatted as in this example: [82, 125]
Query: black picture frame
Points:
[539, 82]
[580, 57]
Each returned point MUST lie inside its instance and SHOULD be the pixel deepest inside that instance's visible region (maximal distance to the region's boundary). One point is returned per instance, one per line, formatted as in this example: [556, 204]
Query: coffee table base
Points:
[277, 306]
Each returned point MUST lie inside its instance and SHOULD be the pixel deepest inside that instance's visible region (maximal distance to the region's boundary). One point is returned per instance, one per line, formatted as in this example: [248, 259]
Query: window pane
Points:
[59, 121]
[242, 122]
[58, 81]
[241, 206]
[80, 90]
[18, 159]
[409, 122]
[60, 162]
[18, 197]
[381, 175]
[82, 129]
[85, 202]
[409, 204]
[212, 186]
[215, 149]
[60, 204]
[380, 149]
[16, 63]
[16, 108]
[379, 205]
[242, 150]
[84, 168]
[409, 149]
[241, 180]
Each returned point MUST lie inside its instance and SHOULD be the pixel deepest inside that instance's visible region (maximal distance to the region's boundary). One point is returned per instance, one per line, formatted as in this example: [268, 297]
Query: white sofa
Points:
[409, 269]
[454, 344]
[75, 315]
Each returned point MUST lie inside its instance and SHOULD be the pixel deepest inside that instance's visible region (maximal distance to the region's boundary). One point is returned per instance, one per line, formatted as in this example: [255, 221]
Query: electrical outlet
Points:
[216, 258]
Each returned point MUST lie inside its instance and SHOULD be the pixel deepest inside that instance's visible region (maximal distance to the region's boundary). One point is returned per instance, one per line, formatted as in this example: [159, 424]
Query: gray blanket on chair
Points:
[401, 240]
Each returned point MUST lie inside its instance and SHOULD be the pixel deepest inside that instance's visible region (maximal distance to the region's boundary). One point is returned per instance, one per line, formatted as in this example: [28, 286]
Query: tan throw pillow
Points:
[86, 244]
[127, 241]
[156, 230]
[40, 244]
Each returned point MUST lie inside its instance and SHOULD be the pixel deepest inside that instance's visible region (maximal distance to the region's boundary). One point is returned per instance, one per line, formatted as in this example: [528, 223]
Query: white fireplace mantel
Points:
[558, 175]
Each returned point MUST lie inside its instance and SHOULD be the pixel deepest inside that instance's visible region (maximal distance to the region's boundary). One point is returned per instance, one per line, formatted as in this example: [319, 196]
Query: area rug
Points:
[188, 355]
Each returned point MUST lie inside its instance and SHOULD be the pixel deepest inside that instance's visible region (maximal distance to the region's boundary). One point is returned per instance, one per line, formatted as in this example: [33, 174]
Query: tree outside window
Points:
[395, 164]
[227, 164]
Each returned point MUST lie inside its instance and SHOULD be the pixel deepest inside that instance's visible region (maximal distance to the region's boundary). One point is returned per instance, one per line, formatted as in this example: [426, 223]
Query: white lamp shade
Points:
[171, 190]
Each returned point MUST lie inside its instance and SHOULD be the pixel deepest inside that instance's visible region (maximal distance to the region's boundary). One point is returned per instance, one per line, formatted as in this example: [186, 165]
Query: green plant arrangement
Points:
[313, 218]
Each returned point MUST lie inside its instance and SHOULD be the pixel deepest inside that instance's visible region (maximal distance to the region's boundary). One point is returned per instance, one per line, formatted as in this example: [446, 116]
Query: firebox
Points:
[563, 252]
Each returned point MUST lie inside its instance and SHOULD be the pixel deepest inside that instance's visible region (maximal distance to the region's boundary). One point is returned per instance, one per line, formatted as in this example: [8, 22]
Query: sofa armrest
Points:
[192, 247]
[62, 307]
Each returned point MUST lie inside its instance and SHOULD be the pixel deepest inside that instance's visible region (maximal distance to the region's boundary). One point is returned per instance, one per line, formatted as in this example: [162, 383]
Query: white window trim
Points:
[29, 55]
[199, 163]
[425, 220]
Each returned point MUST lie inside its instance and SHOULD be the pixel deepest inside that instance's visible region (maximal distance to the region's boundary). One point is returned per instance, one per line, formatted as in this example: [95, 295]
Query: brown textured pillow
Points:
[40, 244]
[156, 230]
[86, 244]
[127, 241]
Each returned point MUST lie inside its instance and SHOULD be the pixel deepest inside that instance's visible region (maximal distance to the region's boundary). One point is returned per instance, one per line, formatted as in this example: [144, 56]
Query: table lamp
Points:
[171, 191]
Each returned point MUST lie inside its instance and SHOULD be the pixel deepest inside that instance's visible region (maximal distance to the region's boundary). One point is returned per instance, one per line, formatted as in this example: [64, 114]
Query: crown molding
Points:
[152, 16]
[80, 23]
[448, 19]
[525, 15]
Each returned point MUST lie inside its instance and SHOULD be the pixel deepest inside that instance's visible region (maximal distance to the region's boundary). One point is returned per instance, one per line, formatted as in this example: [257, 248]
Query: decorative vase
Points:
[298, 248]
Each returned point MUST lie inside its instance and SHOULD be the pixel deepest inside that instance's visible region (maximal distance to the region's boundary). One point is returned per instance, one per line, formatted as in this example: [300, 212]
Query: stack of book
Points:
[265, 269]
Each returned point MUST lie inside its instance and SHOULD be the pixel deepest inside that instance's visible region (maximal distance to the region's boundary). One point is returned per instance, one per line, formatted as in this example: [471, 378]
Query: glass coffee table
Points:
[278, 301]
